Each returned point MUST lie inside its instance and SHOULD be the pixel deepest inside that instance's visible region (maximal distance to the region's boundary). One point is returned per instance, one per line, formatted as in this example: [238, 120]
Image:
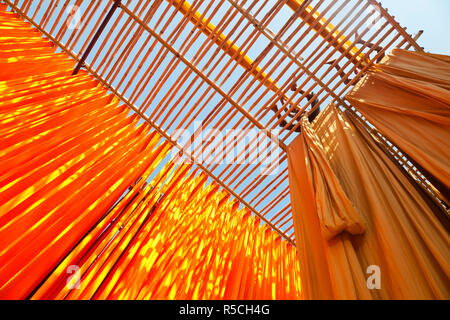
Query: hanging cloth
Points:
[386, 224]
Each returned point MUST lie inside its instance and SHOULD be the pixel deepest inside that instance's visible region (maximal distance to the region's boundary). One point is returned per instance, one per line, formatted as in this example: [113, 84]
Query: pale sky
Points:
[432, 16]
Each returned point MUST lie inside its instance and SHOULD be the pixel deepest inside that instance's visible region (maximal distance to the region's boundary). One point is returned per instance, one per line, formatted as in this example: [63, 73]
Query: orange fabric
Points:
[78, 187]
[407, 98]
[191, 245]
[402, 235]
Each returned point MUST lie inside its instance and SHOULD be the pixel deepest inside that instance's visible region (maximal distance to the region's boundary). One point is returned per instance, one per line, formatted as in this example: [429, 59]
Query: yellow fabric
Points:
[402, 236]
[407, 98]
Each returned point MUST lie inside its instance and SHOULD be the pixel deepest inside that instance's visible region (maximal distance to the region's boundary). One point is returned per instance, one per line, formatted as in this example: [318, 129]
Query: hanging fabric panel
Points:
[407, 98]
[363, 214]
[85, 187]
[201, 242]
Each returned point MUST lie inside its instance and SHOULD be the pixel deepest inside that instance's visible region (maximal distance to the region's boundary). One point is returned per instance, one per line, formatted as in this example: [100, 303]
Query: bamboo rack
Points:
[225, 63]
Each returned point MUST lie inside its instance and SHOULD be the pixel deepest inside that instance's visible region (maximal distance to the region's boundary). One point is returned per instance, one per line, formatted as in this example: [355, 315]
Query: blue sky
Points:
[432, 16]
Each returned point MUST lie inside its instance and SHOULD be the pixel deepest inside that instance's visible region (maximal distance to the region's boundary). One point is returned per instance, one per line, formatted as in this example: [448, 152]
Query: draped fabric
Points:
[359, 218]
[407, 97]
[91, 206]
[194, 244]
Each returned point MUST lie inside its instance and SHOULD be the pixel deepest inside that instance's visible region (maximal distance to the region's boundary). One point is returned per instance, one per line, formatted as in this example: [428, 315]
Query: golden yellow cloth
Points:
[407, 98]
[402, 234]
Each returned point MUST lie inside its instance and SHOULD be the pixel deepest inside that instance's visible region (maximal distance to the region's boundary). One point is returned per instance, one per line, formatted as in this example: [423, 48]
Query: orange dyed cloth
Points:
[407, 97]
[80, 198]
[365, 230]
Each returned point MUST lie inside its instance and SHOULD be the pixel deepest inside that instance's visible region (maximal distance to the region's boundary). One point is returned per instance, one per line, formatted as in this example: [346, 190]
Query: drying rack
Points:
[224, 65]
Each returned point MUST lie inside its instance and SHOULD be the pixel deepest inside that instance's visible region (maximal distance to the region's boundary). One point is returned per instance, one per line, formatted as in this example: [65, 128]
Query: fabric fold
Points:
[403, 237]
[407, 98]
[335, 210]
